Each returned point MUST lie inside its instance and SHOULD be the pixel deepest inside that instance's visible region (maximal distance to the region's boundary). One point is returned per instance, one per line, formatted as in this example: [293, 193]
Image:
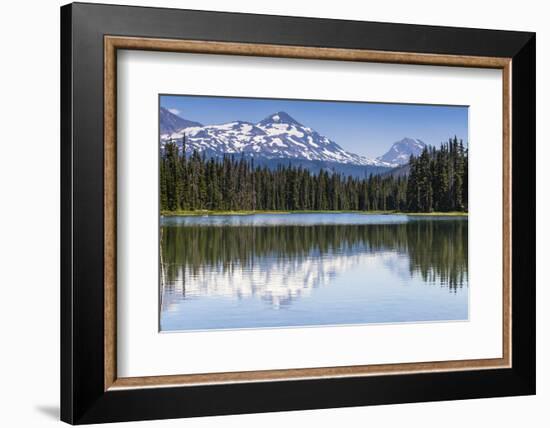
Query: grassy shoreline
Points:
[249, 212]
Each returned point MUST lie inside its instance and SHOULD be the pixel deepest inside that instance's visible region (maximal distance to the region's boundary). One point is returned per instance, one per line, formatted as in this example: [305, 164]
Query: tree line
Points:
[437, 181]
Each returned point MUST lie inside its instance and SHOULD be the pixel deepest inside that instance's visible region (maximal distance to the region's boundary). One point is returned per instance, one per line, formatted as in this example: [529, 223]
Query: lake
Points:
[292, 270]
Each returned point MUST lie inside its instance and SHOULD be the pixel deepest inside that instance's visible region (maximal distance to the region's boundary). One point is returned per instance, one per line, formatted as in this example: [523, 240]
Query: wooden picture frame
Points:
[91, 390]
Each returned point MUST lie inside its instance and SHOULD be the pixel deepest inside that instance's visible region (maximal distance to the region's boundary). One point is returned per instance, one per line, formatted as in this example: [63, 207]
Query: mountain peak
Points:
[279, 117]
[411, 142]
[170, 122]
[279, 138]
[401, 151]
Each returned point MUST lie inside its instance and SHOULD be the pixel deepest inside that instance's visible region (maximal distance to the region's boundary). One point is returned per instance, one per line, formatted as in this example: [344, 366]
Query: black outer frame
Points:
[83, 399]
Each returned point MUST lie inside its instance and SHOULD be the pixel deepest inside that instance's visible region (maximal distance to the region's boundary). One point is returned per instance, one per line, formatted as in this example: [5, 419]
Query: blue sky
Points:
[367, 129]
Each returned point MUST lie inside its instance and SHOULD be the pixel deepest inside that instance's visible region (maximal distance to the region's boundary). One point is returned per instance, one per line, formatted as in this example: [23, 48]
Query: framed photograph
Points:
[265, 213]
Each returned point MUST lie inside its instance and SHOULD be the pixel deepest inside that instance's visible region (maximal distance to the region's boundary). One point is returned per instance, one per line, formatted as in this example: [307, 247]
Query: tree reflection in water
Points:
[281, 262]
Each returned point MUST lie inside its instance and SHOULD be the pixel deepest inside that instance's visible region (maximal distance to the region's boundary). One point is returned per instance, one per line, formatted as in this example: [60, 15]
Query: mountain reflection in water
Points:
[279, 272]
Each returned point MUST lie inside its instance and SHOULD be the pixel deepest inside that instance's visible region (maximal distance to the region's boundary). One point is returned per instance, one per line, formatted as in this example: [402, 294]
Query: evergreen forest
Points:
[434, 181]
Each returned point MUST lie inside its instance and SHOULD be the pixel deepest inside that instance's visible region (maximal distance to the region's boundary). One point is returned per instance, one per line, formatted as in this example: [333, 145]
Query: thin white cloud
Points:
[174, 111]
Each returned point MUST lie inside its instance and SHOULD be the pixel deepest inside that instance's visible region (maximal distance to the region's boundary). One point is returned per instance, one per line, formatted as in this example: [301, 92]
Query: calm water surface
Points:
[284, 270]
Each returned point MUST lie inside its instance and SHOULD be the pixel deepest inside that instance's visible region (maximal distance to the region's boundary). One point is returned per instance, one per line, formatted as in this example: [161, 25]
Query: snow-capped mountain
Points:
[401, 151]
[170, 122]
[277, 137]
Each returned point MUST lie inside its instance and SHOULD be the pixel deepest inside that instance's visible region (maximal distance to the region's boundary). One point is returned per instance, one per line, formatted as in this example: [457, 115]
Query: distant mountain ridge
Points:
[280, 139]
